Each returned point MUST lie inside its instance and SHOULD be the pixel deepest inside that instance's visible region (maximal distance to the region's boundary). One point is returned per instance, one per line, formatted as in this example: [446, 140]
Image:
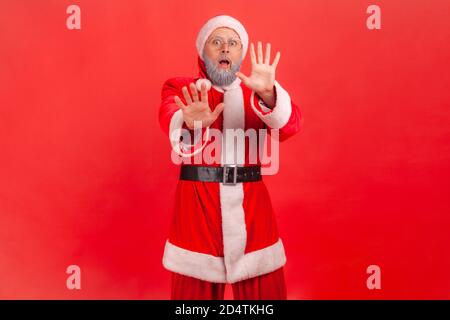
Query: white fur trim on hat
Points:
[218, 22]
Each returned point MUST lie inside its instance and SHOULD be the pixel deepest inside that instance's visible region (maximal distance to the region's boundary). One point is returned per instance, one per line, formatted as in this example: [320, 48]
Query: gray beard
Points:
[221, 77]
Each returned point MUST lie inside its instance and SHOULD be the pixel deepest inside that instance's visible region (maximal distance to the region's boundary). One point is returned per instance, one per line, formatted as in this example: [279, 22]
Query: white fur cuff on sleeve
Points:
[176, 131]
[280, 114]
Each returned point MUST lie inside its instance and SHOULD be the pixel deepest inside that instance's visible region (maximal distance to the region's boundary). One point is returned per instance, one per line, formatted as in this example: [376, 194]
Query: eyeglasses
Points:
[233, 44]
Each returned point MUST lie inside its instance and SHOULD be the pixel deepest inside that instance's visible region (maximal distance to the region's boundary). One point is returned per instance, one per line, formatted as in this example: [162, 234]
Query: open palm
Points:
[197, 108]
[262, 76]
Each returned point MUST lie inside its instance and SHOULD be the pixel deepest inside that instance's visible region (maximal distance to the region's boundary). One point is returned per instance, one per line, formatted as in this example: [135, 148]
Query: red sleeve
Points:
[170, 89]
[171, 118]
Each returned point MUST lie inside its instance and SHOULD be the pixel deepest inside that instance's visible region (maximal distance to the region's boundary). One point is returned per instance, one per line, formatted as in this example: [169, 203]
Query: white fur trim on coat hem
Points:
[211, 268]
[258, 262]
[202, 266]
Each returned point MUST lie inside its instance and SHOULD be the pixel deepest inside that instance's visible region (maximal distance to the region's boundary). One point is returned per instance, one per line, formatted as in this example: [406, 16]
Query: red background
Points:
[85, 171]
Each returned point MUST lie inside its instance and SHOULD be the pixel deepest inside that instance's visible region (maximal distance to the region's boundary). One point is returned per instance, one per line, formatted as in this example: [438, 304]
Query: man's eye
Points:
[216, 42]
[233, 43]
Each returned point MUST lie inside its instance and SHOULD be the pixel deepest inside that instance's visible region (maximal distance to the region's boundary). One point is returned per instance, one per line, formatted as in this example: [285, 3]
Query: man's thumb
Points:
[242, 76]
[219, 108]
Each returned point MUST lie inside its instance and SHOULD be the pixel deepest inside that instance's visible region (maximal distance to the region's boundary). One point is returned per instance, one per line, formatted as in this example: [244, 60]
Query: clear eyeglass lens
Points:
[232, 44]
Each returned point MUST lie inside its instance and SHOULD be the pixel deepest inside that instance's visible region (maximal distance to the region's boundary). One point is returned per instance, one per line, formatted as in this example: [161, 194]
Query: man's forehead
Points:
[224, 32]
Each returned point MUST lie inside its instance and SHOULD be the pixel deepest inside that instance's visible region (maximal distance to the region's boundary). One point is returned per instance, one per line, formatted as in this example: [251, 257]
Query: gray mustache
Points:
[221, 77]
[224, 57]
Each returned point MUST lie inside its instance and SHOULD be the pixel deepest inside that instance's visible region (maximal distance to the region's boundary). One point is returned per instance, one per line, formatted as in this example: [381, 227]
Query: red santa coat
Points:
[226, 233]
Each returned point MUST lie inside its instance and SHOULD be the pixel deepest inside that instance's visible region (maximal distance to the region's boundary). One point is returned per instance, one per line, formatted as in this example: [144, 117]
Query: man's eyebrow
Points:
[219, 37]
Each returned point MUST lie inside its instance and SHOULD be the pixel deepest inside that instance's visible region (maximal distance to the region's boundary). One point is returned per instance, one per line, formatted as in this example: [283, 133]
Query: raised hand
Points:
[197, 109]
[262, 77]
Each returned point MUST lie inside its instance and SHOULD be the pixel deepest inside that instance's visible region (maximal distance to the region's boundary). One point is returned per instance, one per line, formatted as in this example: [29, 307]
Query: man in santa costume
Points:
[224, 229]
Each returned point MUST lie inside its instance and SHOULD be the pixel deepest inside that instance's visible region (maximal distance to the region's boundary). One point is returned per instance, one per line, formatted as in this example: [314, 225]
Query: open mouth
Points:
[224, 63]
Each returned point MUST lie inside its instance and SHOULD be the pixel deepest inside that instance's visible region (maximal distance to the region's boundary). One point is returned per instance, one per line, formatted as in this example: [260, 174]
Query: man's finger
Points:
[194, 92]
[187, 96]
[179, 102]
[243, 77]
[276, 60]
[267, 58]
[204, 93]
[252, 53]
[260, 53]
[219, 108]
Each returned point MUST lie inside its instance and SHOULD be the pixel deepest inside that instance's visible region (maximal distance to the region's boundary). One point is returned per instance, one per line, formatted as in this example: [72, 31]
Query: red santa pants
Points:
[270, 286]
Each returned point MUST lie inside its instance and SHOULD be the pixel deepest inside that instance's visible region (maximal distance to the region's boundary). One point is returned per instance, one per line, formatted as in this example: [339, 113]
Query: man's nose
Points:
[225, 48]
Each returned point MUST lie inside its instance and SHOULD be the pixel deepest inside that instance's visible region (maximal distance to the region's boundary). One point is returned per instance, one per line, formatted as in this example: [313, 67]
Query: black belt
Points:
[228, 174]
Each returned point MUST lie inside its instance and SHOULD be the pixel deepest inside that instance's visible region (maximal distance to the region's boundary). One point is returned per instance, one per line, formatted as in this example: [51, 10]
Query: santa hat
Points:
[218, 22]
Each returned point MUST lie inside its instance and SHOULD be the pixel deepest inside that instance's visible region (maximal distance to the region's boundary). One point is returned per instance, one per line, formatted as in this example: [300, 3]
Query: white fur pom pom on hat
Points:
[218, 22]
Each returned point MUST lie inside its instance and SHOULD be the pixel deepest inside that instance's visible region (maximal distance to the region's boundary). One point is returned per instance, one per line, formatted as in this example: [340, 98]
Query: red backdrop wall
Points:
[85, 171]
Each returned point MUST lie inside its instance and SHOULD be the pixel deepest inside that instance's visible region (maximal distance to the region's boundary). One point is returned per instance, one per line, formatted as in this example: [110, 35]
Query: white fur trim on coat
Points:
[279, 116]
[232, 196]
[202, 266]
[259, 262]
[211, 268]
